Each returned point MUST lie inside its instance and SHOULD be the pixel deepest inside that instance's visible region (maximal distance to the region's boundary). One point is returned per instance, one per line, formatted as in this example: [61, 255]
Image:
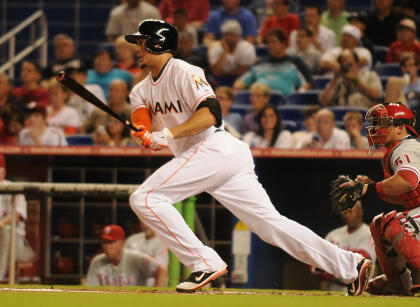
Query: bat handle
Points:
[130, 125]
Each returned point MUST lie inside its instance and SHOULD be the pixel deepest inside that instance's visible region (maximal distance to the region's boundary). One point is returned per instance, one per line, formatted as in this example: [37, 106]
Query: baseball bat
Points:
[80, 90]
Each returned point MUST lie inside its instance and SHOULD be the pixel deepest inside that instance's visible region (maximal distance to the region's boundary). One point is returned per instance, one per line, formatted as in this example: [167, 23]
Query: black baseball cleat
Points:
[364, 269]
[196, 280]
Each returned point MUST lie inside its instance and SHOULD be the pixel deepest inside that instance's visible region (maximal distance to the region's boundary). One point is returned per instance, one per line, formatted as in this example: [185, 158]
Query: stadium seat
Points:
[340, 111]
[291, 112]
[321, 82]
[306, 98]
[380, 53]
[290, 125]
[79, 139]
[384, 81]
[242, 109]
[261, 51]
[201, 49]
[277, 98]
[388, 70]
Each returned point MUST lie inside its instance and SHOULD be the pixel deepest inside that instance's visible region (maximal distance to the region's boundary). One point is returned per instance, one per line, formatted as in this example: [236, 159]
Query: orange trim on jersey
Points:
[161, 77]
[202, 98]
[163, 223]
[69, 130]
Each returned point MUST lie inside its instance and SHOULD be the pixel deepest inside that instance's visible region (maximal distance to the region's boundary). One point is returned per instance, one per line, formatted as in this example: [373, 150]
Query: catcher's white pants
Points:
[223, 166]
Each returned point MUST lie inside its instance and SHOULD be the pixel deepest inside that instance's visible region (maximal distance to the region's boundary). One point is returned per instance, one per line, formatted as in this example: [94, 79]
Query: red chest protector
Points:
[410, 199]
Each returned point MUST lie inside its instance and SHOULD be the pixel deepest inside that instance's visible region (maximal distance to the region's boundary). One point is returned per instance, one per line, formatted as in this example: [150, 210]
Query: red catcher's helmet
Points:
[382, 116]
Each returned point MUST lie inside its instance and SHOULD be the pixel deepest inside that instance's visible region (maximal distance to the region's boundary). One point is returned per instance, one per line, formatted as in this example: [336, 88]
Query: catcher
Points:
[396, 234]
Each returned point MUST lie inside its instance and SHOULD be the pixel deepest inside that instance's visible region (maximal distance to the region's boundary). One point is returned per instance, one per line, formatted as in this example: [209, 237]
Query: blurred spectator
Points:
[359, 21]
[114, 134]
[279, 71]
[187, 52]
[350, 40]
[65, 57]
[261, 9]
[232, 55]
[305, 50]
[351, 86]
[327, 136]
[259, 95]
[353, 236]
[233, 121]
[406, 41]
[281, 19]
[180, 16]
[335, 18]
[103, 72]
[22, 249]
[198, 11]
[353, 121]
[118, 266]
[382, 22]
[8, 103]
[60, 115]
[118, 93]
[230, 10]
[83, 107]
[37, 131]
[30, 90]
[322, 37]
[409, 8]
[269, 132]
[309, 122]
[13, 124]
[405, 89]
[125, 17]
[147, 242]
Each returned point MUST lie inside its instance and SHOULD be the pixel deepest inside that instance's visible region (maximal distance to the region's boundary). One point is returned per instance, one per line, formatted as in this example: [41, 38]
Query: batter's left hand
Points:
[159, 139]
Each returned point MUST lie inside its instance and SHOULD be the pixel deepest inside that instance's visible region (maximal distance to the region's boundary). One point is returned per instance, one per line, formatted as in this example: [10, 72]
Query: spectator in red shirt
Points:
[281, 19]
[198, 11]
[30, 89]
[406, 41]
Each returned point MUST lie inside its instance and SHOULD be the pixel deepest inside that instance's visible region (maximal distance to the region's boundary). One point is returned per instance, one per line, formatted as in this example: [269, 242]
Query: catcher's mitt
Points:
[344, 198]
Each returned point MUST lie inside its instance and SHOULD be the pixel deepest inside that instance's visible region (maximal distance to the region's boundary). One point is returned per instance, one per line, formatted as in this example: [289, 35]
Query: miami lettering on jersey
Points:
[166, 108]
[200, 83]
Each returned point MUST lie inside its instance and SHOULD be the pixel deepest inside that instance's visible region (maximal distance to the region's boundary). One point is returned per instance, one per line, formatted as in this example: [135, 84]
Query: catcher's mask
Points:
[381, 117]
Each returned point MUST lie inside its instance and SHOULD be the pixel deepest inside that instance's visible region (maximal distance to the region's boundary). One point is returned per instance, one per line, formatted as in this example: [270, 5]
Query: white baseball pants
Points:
[223, 166]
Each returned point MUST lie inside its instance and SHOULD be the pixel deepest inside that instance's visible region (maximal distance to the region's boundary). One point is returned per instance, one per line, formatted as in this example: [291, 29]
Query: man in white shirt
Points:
[327, 136]
[350, 38]
[232, 56]
[323, 38]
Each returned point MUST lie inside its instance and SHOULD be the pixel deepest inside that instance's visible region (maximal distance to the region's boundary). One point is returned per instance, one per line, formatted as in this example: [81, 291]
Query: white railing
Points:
[34, 43]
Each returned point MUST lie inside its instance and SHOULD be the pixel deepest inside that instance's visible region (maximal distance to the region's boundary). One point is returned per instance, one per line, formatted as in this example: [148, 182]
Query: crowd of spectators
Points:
[264, 50]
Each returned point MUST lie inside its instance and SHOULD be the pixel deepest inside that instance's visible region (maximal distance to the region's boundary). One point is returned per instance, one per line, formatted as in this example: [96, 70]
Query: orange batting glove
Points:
[141, 137]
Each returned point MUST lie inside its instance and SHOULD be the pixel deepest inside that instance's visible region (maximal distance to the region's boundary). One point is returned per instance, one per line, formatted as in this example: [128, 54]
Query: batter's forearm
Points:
[199, 122]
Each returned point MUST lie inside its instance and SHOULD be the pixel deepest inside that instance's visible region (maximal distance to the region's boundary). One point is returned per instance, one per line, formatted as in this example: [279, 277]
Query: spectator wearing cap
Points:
[23, 251]
[31, 90]
[305, 50]
[281, 19]
[37, 131]
[350, 40]
[83, 108]
[198, 11]
[232, 56]
[65, 57]
[406, 41]
[125, 17]
[335, 18]
[323, 38]
[359, 21]
[350, 85]
[118, 266]
[382, 22]
[103, 72]
[231, 10]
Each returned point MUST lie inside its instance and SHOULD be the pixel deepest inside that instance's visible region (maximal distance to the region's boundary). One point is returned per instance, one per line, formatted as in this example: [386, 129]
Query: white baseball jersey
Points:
[51, 137]
[66, 117]
[153, 247]
[6, 208]
[133, 270]
[173, 98]
[406, 156]
[359, 241]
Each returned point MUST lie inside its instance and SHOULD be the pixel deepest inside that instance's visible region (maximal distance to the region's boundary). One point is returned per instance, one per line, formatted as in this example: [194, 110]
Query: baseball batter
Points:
[208, 159]
[396, 234]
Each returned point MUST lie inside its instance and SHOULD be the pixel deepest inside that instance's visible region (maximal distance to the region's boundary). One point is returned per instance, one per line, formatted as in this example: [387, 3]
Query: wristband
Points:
[371, 190]
[168, 134]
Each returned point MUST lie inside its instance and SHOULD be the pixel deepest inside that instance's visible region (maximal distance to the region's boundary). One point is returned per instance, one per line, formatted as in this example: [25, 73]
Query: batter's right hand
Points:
[141, 137]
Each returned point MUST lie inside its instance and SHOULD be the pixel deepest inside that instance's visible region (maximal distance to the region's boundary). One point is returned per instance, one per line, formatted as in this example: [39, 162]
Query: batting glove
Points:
[160, 139]
[141, 137]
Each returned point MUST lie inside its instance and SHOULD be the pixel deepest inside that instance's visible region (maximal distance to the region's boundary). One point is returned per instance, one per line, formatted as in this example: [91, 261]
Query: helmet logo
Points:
[161, 37]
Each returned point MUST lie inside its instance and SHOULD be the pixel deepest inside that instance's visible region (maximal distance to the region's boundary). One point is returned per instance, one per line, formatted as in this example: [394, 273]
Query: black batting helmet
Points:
[161, 36]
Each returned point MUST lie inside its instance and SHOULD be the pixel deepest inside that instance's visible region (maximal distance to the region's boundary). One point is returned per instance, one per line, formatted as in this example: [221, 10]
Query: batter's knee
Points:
[137, 202]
